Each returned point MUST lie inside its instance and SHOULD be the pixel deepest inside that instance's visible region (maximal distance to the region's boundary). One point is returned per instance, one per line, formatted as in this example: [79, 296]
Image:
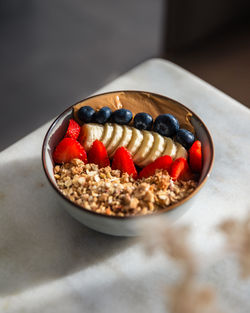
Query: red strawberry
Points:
[73, 130]
[122, 161]
[68, 149]
[163, 162]
[195, 156]
[98, 154]
[180, 170]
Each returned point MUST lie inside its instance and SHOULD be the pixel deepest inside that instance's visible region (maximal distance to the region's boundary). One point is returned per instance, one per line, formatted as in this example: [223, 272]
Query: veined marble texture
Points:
[51, 263]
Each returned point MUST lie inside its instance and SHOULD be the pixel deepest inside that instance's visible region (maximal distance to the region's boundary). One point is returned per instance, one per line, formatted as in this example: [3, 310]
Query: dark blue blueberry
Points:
[143, 121]
[102, 116]
[122, 116]
[85, 114]
[185, 137]
[166, 125]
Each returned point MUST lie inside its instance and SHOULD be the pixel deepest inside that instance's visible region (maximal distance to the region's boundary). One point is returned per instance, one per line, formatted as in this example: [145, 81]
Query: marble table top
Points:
[51, 263]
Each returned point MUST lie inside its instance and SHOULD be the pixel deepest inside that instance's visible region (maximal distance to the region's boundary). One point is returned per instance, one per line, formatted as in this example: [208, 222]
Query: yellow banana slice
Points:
[145, 147]
[170, 147]
[156, 150]
[107, 134]
[89, 133]
[135, 141]
[116, 137]
[126, 137]
[181, 151]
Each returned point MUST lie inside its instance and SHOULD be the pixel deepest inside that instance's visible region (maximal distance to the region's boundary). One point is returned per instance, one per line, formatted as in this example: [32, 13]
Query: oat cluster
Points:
[113, 193]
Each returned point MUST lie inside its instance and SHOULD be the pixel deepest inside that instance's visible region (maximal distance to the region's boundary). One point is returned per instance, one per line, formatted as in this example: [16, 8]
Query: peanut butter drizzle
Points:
[137, 101]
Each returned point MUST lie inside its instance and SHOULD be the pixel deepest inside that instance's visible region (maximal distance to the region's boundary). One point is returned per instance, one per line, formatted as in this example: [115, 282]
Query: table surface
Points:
[51, 263]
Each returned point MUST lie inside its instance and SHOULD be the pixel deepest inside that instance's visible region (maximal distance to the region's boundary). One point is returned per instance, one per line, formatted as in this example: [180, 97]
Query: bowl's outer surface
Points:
[151, 103]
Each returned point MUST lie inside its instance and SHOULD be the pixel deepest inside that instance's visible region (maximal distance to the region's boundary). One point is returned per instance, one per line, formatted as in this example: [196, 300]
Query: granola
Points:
[114, 193]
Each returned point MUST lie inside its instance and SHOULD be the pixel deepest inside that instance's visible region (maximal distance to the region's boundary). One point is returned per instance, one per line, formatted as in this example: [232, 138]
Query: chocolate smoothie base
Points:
[139, 101]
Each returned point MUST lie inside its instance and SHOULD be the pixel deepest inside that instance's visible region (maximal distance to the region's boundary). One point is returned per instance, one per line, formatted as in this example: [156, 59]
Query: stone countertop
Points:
[51, 263]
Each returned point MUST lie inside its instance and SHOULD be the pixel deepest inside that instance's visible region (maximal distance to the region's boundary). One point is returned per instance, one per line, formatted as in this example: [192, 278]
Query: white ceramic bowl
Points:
[131, 225]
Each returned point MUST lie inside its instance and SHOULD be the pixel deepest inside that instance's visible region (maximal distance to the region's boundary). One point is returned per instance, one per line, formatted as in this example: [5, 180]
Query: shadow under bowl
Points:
[136, 101]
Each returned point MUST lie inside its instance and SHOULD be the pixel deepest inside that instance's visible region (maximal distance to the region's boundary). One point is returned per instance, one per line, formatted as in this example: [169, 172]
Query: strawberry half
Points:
[73, 130]
[180, 170]
[163, 163]
[122, 161]
[195, 156]
[69, 149]
[98, 154]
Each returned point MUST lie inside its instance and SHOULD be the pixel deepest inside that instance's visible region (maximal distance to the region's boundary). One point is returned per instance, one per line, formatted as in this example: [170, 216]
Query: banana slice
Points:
[107, 134]
[116, 137]
[147, 143]
[135, 141]
[156, 150]
[89, 133]
[181, 151]
[170, 147]
[126, 137]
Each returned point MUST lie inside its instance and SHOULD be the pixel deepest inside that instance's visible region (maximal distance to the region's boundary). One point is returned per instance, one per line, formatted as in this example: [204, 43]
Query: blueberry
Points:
[143, 121]
[122, 116]
[102, 116]
[166, 125]
[185, 137]
[85, 114]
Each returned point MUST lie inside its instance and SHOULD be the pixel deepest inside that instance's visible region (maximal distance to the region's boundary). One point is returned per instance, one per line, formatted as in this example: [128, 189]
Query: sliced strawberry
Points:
[180, 170]
[69, 149]
[163, 163]
[195, 156]
[122, 161]
[73, 130]
[98, 154]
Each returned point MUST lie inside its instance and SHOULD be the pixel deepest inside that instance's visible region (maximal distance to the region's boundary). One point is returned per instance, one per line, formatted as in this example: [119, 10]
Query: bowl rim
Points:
[129, 217]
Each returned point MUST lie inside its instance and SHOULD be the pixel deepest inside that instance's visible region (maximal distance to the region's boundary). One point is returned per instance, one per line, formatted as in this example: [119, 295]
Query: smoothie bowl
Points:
[120, 159]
